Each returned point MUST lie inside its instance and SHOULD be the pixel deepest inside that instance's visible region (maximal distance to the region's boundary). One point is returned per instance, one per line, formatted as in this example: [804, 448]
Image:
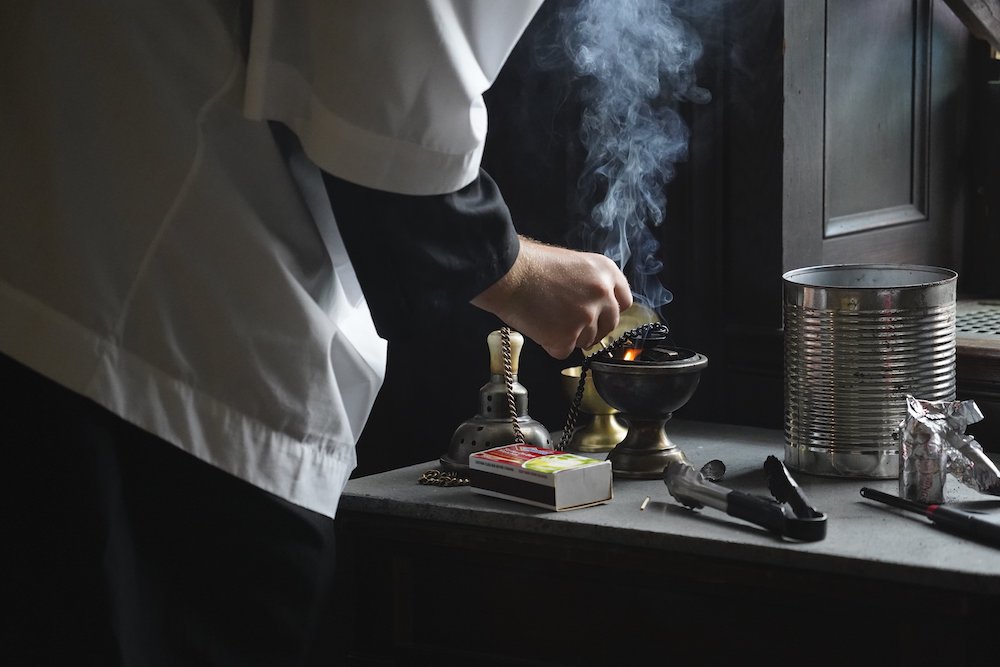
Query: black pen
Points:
[952, 520]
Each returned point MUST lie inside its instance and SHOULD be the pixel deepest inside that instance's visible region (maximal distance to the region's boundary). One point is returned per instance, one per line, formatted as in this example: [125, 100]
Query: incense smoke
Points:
[635, 60]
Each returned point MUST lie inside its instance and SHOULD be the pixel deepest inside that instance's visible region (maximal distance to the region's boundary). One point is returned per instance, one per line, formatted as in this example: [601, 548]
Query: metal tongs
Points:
[789, 514]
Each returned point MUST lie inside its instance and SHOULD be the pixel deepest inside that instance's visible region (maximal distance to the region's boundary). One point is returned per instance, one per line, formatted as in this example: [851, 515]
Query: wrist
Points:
[497, 297]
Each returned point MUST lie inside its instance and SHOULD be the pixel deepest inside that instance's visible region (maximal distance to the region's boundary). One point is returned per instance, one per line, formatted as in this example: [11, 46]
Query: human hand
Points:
[562, 299]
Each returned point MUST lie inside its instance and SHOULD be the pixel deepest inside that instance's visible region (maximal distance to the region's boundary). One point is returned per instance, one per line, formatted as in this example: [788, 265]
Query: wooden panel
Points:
[874, 133]
[875, 121]
[802, 170]
[416, 592]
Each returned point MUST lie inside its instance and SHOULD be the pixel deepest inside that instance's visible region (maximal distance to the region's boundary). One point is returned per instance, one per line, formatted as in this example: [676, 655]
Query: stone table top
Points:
[864, 538]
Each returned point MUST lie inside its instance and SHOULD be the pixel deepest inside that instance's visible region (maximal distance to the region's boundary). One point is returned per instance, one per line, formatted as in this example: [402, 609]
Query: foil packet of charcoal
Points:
[933, 443]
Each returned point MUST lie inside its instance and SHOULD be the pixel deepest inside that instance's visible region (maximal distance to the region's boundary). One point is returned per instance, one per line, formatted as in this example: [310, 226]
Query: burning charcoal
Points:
[660, 353]
[655, 354]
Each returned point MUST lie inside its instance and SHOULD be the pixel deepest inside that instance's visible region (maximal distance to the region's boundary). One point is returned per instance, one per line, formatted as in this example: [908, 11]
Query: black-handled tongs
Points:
[788, 514]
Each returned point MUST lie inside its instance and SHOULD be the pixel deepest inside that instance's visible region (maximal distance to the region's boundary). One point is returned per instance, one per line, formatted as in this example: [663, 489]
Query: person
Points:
[214, 213]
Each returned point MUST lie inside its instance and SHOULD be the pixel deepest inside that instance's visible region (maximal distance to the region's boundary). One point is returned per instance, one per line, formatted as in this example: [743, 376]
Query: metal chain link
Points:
[508, 378]
[443, 478]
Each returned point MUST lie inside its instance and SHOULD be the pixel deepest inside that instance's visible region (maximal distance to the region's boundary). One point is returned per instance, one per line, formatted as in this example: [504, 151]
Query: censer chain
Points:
[437, 477]
[508, 378]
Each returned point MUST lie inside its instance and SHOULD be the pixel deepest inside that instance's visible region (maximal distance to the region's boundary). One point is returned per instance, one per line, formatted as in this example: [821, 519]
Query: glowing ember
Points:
[632, 353]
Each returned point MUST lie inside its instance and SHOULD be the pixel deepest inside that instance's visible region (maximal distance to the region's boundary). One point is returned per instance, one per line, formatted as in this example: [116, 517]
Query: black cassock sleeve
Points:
[419, 257]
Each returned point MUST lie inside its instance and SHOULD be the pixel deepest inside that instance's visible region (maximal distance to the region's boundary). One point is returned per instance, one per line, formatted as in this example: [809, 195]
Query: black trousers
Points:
[121, 549]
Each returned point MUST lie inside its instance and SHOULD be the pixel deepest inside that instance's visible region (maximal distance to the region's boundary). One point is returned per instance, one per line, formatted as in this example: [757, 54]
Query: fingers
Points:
[608, 305]
[597, 313]
[606, 323]
[623, 294]
[587, 337]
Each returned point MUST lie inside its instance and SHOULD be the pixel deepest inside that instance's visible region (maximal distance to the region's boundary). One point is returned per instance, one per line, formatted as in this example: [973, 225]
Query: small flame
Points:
[632, 353]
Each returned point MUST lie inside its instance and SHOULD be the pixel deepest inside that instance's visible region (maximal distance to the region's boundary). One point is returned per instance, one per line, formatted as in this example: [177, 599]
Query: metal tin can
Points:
[858, 339]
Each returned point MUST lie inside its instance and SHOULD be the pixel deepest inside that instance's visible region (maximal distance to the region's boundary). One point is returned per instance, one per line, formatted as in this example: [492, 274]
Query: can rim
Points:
[945, 275]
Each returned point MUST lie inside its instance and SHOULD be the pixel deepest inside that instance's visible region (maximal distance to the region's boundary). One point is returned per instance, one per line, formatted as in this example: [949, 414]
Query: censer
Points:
[646, 380]
[503, 417]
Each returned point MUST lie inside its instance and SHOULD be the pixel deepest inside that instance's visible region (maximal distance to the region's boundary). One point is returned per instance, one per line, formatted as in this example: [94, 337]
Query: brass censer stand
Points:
[601, 429]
